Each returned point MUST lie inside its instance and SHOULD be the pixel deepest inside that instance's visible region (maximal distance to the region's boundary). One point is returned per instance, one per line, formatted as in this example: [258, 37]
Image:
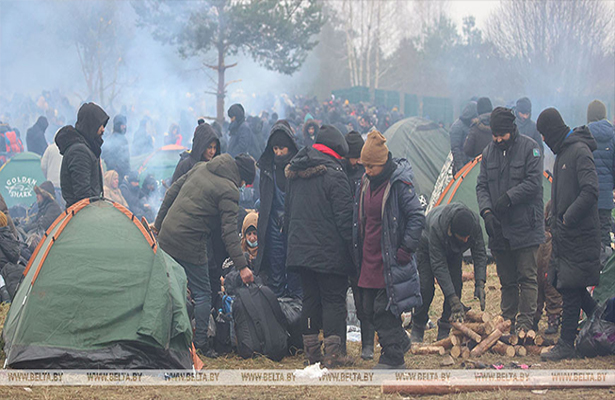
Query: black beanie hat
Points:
[247, 168]
[355, 144]
[463, 222]
[281, 139]
[331, 137]
[524, 105]
[483, 105]
[553, 128]
[502, 121]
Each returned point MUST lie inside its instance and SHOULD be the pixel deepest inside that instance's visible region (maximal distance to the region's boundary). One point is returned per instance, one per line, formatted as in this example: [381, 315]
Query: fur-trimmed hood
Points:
[309, 163]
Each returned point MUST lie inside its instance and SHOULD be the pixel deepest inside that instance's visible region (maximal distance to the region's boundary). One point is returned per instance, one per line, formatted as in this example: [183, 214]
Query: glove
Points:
[403, 256]
[457, 312]
[492, 224]
[479, 293]
[501, 206]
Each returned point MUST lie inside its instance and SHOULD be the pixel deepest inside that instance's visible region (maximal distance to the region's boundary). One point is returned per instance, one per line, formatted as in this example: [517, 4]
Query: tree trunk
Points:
[221, 89]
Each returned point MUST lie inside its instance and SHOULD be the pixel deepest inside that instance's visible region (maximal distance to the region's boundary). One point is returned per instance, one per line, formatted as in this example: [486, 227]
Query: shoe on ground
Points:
[561, 351]
[387, 366]
[367, 353]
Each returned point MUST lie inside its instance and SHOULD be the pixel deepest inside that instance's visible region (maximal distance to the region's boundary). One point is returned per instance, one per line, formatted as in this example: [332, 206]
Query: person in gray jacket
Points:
[510, 199]
[449, 231]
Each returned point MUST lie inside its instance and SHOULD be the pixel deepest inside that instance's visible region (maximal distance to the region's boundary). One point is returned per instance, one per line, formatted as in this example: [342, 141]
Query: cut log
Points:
[503, 325]
[512, 340]
[520, 351]
[538, 340]
[533, 350]
[455, 351]
[478, 316]
[544, 341]
[465, 353]
[447, 343]
[484, 345]
[521, 335]
[529, 337]
[546, 349]
[467, 331]
[503, 349]
[478, 327]
[423, 350]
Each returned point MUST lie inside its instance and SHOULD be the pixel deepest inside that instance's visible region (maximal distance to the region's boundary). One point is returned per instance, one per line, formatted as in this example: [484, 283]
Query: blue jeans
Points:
[281, 282]
[200, 289]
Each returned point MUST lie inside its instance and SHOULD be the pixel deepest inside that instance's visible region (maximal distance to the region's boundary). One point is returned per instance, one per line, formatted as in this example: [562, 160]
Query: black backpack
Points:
[260, 325]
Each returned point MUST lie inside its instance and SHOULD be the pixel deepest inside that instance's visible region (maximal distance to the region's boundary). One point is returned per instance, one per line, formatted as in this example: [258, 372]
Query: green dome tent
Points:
[160, 164]
[425, 145]
[462, 188]
[98, 293]
[18, 177]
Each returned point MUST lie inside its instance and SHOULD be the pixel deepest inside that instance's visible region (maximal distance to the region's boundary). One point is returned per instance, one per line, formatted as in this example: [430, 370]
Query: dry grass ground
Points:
[342, 392]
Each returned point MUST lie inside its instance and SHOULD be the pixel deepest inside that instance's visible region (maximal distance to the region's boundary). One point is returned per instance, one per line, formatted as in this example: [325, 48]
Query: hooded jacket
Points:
[318, 216]
[241, 138]
[250, 220]
[438, 245]
[459, 133]
[518, 173]
[307, 139]
[528, 128]
[116, 151]
[80, 146]
[9, 247]
[267, 187]
[575, 225]
[205, 197]
[604, 157]
[35, 136]
[204, 134]
[479, 136]
[113, 194]
[403, 220]
[48, 211]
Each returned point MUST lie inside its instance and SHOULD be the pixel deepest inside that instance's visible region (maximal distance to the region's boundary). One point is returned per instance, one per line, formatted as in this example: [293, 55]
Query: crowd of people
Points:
[316, 203]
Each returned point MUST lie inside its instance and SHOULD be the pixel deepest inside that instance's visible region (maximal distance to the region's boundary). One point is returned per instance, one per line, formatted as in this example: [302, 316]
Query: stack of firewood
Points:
[480, 333]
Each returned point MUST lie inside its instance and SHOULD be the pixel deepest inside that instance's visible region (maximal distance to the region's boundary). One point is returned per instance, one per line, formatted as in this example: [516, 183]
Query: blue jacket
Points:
[402, 225]
[604, 157]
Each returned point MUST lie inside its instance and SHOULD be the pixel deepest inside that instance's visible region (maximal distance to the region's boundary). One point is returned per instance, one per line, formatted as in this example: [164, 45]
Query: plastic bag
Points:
[597, 337]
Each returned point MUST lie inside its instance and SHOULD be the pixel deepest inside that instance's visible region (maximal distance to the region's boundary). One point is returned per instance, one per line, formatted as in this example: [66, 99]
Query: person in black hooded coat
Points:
[80, 146]
[205, 146]
[575, 226]
[241, 138]
[318, 220]
[271, 259]
[35, 136]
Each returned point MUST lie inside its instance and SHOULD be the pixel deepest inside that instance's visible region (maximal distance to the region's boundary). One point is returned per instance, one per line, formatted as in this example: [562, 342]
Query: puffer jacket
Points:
[575, 224]
[318, 214]
[80, 146]
[204, 134]
[205, 197]
[518, 173]
[403, 220]
[459, 133]
[604, 157]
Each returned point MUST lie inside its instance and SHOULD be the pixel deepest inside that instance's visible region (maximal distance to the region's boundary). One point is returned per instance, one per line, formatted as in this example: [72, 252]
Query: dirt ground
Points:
[330, 392]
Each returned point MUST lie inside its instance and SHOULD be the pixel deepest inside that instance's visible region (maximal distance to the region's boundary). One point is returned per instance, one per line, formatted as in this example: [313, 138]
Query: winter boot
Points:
[367, 341]
[444, 329]
[333, 353]
[561, 351]
[4, 295]
[417, 333]
[535, 325]
[553, 322]
[391, 358]
[312, 349]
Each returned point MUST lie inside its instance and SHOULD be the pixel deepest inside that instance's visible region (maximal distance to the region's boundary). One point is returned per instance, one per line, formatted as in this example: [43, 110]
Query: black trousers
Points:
[324, 303]
[426, 276]
[606, 221]
[391, 335]
[574, 300]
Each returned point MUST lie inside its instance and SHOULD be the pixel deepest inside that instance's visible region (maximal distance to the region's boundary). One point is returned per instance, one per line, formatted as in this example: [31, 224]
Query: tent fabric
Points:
[160, 164]
[425, 145]
[462, 188]
[99, 293]
[18, 177]
[606, 289]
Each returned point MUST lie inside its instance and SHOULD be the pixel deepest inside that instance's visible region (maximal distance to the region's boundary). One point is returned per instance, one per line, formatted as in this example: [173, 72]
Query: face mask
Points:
[252, 245]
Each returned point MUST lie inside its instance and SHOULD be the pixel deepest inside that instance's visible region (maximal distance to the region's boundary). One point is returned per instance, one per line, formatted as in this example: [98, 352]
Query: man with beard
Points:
[575, 262]
[115, 151]
[271, 258]
[449, 231]
[241, 137]
[205, 146]
[459, 133]
[527, 127]
[509, 191]
[81, 174]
